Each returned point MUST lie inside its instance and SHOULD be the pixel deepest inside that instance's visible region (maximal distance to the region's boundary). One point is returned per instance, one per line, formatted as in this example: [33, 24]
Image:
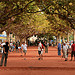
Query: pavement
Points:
[51, 63]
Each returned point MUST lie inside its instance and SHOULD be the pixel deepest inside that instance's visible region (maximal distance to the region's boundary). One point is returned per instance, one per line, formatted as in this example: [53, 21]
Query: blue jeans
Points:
[59, 52]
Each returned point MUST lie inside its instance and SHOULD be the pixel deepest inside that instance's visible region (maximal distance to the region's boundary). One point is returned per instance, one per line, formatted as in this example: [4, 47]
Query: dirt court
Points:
[51, 63]
[36, 72]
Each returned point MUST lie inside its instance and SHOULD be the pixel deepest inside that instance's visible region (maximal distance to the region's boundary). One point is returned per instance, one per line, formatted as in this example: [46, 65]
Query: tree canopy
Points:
[28, 17]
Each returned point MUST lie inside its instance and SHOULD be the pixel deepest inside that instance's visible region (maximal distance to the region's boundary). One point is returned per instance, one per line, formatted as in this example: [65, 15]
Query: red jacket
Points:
[73, 47]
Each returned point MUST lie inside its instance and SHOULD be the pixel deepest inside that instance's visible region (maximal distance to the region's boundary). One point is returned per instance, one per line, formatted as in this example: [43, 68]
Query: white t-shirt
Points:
[39, 46]
[11, 44]
[3, 44]
[24, 47]
[21, 45]
[65, 47]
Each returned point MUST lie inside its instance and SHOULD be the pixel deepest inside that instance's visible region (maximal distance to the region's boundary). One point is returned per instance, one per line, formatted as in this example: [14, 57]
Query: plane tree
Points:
[11, 12]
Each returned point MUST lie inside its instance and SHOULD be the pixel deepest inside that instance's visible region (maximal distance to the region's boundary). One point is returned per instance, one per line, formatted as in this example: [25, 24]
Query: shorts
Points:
[19, 47]
[39, 52]
[73, 53]
[25, 51]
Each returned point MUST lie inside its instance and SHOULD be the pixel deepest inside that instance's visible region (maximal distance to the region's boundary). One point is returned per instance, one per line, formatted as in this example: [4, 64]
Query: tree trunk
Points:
[60, 38]
[20, 41]
[74, 35]
[27, 41]
[57, 39]
[63, 39]
[68, 38]
[15, 38]
[24, 40]
[8, 37]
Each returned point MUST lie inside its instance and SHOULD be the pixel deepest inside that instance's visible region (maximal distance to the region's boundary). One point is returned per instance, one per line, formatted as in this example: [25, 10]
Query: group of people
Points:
[9, 47]
[66, 49]
[12, 47]
[5, 51]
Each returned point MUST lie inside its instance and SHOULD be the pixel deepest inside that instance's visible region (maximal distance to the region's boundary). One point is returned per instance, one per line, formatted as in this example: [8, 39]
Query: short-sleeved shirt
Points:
[65, 47]
[6, 48]
[40, 46]
[11, 44]
[24, 47]
[73, 47]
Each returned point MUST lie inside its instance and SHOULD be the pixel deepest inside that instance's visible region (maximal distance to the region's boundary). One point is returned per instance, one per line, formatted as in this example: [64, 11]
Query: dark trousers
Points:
[46, 49]
[73, 53]
[4, 56]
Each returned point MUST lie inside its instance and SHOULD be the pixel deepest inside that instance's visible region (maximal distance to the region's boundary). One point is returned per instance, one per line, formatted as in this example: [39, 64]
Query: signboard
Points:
[2, 36]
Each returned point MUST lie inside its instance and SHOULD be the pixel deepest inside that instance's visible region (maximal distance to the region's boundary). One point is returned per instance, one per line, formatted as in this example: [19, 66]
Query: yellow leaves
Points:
[64, 6]
[56, 11]
[2, 5]
[70, 4]
[18, 3]
[54, 2]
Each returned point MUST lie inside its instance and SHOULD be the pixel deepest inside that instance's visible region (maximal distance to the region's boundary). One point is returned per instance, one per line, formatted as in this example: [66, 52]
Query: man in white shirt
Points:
[67, 44]
[65, 51]
[24, 48]
[40, 50]
[2, 46]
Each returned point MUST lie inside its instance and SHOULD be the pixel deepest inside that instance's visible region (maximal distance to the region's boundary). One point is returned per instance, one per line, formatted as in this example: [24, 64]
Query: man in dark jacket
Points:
[5, 54]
